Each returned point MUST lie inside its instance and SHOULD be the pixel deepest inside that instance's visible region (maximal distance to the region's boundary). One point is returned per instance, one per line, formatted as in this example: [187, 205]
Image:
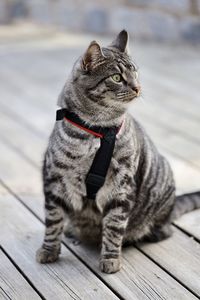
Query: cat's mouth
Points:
[128, 97]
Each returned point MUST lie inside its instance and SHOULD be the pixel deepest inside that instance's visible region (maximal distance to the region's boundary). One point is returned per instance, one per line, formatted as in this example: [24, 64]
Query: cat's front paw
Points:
[110, 265]
[44, 256]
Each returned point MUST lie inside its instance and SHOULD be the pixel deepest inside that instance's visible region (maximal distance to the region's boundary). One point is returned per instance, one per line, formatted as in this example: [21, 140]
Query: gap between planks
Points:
[14, 282]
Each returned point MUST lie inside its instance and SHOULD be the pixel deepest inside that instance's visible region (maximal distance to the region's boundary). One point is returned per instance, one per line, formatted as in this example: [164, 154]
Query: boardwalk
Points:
[31, 76]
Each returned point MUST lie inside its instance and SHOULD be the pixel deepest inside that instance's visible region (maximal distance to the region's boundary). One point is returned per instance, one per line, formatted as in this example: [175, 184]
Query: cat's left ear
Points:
[121, 41]
[92, 57]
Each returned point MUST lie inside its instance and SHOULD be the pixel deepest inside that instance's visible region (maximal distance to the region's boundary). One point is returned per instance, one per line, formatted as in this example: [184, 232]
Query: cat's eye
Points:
[116, 77]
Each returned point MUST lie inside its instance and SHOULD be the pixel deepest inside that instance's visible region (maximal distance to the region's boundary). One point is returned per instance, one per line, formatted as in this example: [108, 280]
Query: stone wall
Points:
[169, 20]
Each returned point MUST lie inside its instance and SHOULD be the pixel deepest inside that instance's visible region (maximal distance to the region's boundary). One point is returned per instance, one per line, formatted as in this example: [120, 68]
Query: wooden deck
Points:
[31, 76]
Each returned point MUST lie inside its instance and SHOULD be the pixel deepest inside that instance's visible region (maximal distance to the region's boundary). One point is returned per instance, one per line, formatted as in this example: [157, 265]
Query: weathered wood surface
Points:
[67, 279]
[167, 270]
[12, 283]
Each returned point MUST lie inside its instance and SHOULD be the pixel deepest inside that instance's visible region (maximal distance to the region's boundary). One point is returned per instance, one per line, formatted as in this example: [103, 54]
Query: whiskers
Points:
[126, 96]
[142, 98]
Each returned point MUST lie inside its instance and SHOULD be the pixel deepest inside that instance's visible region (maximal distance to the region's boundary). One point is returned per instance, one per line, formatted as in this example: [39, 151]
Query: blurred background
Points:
[163, 20]
[41, 39]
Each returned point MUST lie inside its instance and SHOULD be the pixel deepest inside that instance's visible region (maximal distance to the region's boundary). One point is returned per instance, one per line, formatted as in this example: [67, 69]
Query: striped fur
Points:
[137, 200]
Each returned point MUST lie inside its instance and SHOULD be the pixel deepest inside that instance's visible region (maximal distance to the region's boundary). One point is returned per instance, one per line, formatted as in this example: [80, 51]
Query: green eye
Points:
[116, 77]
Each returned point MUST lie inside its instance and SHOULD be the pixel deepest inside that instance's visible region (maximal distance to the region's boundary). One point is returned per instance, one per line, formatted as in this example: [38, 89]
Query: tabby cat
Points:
[137, 201]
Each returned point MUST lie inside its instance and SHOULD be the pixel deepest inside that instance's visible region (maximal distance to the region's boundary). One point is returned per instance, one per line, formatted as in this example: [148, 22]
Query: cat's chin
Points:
[129, 100]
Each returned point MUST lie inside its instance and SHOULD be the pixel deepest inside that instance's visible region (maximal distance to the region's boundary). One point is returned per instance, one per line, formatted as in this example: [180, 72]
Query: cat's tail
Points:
[185, 203]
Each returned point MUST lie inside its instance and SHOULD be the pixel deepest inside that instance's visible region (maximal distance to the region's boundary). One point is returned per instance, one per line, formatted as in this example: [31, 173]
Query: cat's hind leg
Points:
[70, 232]
[159, 233]
[162, 228]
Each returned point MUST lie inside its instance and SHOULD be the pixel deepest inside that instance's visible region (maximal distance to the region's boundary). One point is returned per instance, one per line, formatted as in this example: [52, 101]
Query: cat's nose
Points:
[136, 89]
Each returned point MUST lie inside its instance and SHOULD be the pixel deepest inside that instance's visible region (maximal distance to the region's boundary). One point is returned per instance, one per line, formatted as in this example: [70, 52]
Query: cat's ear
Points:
[92, 56]
[121, 41]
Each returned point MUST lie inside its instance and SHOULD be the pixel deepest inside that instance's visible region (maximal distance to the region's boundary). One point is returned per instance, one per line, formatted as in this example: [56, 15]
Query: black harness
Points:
[96, 176]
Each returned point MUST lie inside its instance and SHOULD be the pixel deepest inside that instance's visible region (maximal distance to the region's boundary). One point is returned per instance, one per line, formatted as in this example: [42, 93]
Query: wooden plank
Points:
[12, 283]
[177, 112]
[178, 255]
[138, 277]
[25, 117]
[173, 120]
[168, 85]
[173, 84]
[66, 279]
[190, 223]
[183, 125]
[184, 147]
[22, 139]
[127, 272]
[41, 93]
[16, 173]
[181, 62]
[179, 74]
[169, 100]
[60, 60]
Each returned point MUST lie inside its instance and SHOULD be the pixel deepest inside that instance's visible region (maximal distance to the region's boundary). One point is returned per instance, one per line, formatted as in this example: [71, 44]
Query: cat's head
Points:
[105, 80]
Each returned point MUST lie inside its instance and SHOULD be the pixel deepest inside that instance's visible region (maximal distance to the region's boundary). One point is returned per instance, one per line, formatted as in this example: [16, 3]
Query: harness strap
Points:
[96, 176]
[97, 173]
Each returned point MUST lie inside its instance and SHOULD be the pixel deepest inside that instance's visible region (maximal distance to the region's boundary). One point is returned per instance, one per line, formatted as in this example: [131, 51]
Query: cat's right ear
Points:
[92, 56]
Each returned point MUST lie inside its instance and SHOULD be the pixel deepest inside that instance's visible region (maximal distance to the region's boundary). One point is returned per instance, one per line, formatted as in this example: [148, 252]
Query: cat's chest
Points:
[75, 175]
[78, 160]
[78, 155]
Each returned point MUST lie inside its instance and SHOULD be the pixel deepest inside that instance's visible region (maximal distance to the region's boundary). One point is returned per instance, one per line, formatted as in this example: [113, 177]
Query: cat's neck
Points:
[99, 118]
[104, 117]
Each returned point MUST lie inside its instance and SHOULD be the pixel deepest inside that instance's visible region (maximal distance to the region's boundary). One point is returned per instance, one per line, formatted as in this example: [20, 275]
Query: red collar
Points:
[74, 119]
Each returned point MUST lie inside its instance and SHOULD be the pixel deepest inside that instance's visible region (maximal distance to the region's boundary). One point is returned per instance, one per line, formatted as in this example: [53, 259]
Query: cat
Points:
[137, 200]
